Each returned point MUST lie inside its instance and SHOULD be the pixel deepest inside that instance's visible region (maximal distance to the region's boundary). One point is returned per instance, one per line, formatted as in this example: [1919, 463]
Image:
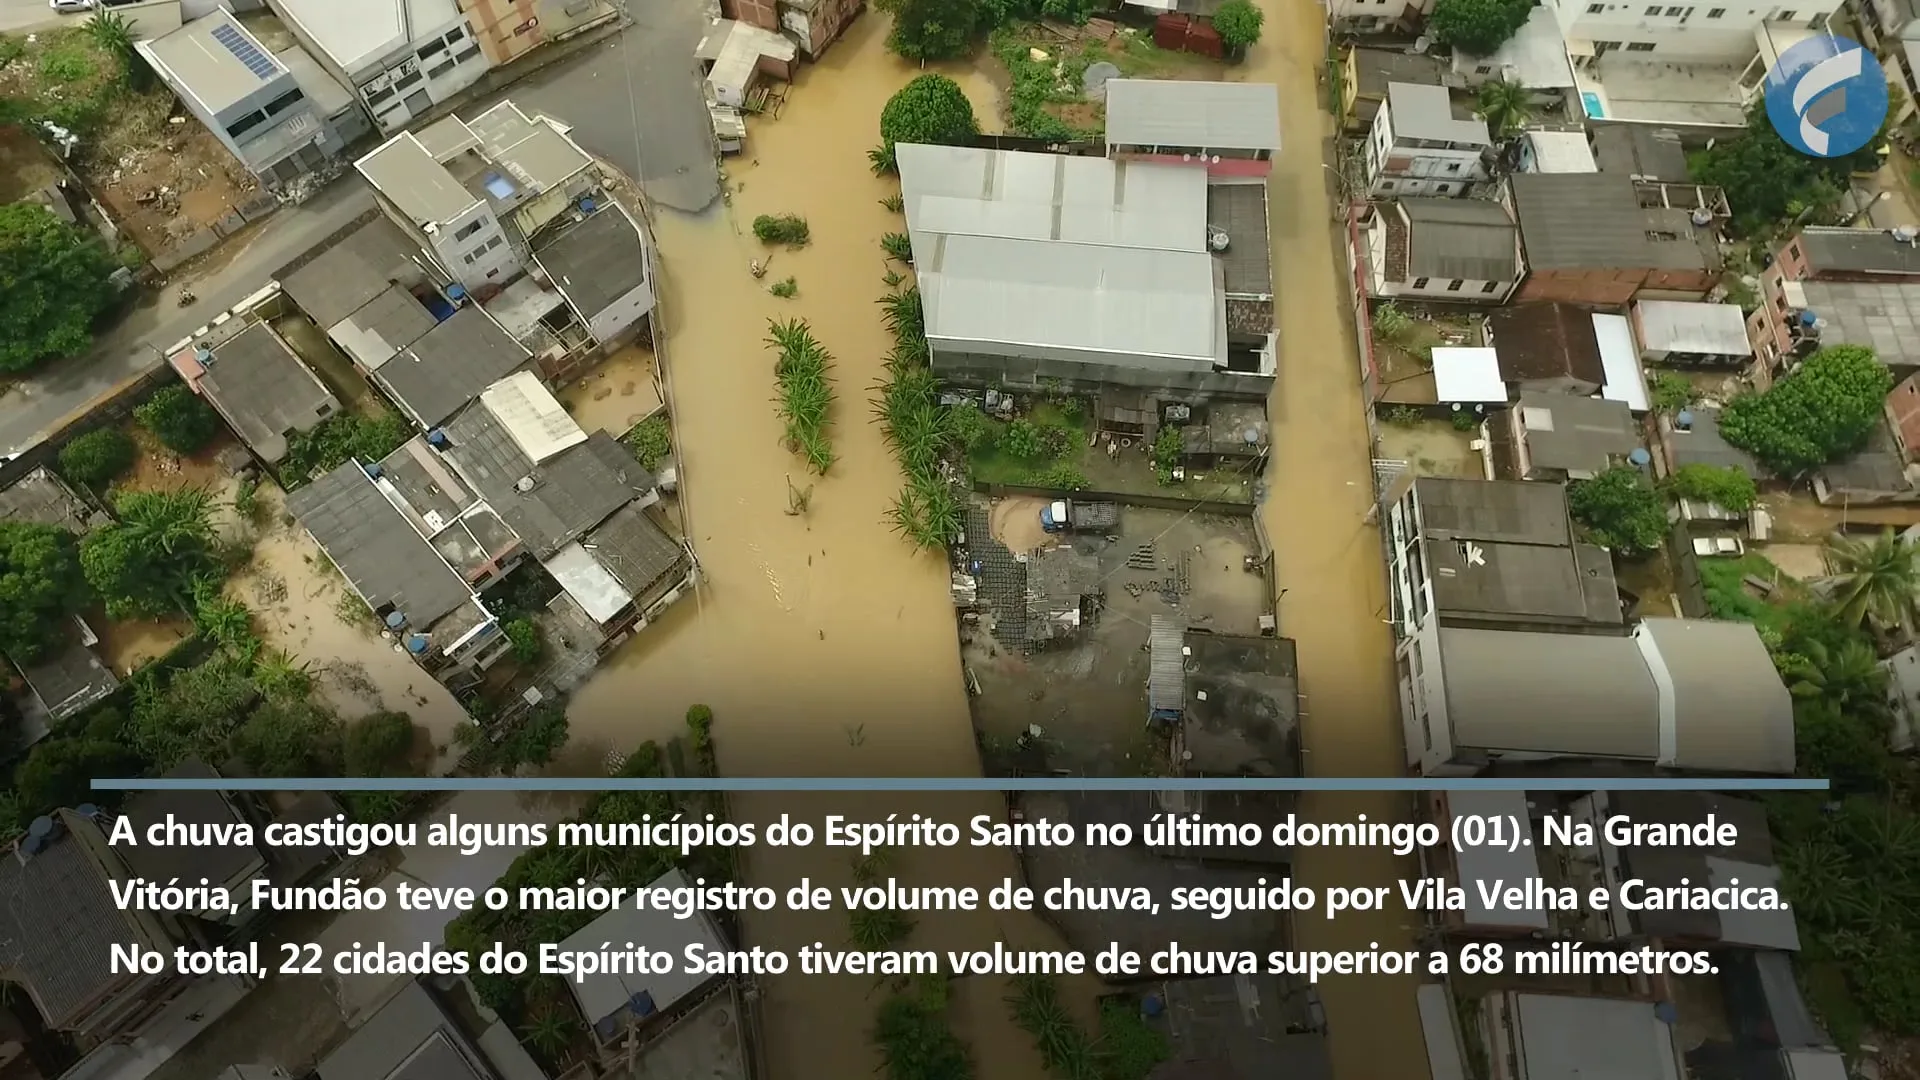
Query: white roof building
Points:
[609, 1001]
[1685, 328]
[1184, 114]
[1626, 379]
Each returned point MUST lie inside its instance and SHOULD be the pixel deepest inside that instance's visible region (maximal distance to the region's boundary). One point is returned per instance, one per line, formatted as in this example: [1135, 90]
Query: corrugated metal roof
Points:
[597, 262]
[265, 391]
[1581, 695]
[1679, 326]
[1561, 152]
[455, 360]
[1640, 152]
[1080, 200]
[1180, 113]
[376, 547]
[1581, 221]
[1167, 664]
[1626, 380]
[536, 421]
[597, 591]
[1871, 251]
[1730, 711]
[1464, 239]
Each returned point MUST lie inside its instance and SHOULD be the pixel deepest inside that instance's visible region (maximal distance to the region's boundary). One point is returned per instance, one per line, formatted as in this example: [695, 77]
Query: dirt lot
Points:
[25, 165]
[160, 469]
[1090, 695]
[160, 174]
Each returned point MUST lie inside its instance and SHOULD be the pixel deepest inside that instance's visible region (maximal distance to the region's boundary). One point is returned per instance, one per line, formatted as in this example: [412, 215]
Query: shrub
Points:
[897, 246]
[99, 457]
[524, 639]
[378, 744]
[1723, 486]
[651, 441]
[788, 229]
[1620, 510]
[1238, 23]
[182, 421]
[1477, 27]
[785, 290]
[1825, 411]
[931, 109]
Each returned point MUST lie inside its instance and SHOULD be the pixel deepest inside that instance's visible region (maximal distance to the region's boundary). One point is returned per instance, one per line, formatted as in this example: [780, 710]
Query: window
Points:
[468, 229]
[467, 55]
[434, 48]
[1489, 286]
[1596, 9]
[1483, 69]
[1454, 285]
[1714, 13]
[1793, 251]
[1444, 189]
[1419, 283]
[454, 35]
[1786, 16]
[414, 76]
[1453, 166]
[493, 243]
[284, 102]
[441, 70]
[246, 123]
[375, 97]
[1674, 12]
[1386, 185]
[471, 256]
[1653, 10]
[1639, 46]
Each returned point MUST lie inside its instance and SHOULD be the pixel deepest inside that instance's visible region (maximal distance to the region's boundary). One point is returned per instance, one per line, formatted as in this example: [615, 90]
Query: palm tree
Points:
[1849, 678]
[1878, 578]
[1507, 107]
[177, 522]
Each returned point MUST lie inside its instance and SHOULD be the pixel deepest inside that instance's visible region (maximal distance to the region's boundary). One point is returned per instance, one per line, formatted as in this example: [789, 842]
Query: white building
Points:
[1556, 152]
[1692, 32]
[1556, 1037]
[1376, 16]
[1692, 333]
[1903, 690]
[401, 57]
[1422, 143]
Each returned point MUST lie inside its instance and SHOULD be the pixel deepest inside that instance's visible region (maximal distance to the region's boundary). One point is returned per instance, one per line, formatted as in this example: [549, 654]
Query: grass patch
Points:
[341, 438]
[651, 441]
[788, 229]
[1723, 582]
[66, 77]
[1038, 88]
[1039, 449]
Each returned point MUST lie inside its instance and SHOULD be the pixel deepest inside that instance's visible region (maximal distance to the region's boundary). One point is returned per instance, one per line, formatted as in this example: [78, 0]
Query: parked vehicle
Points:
[1066, 515]
[70, 5]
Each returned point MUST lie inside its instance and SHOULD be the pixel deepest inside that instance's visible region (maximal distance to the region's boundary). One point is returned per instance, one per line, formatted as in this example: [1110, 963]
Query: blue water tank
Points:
[456, 293]
[87, 810]
[417, 644]
[436, 437]
[1640, 458]
[1808, 318]
[1684, 420]
[587, 205]
[375, 470]
[1152, 1005]
[42, 827]
[395, 620]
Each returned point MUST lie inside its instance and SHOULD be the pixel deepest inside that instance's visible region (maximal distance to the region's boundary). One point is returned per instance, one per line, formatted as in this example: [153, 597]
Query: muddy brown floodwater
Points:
[825, 646]
[823, 643]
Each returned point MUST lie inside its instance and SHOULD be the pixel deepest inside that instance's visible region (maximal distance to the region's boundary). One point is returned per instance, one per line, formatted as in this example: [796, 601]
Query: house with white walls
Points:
[1423, 142]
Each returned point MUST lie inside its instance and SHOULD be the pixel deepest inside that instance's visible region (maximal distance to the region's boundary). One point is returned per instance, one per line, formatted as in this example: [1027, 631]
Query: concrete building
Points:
[1547, 349]
[1641, 152]
[1497, 555]
[1561, 437]
[814, 24]
[252, 377]
[1368, 74]
[1543, 151]
[416, 1035]
[1674, 694]
[613, 1003]
[1685, 32]
[1089, 271]
[1556, 1037]
[1424, 143]
[1589, 239]
[1535, 57]
[1377, 16]
[1780, 329]
[251, 99]
[1460, 250]
[1232, 701]
[1691, 334]
[400, 57]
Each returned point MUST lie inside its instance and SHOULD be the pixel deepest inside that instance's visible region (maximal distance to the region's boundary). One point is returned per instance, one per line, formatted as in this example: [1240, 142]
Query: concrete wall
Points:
[152, 18]
[1019, 373]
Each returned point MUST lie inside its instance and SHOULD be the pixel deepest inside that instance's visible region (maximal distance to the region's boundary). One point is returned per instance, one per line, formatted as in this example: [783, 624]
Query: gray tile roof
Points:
[1581, 695]
[386, 561]
[597, 261]
[1864, 251]
[42, 497]
[57, 925]
[1375, 68]
[637, 552]
[1240, 211]
[216, 863]
[359, 266]
[1581, 221]
[1576, 434]
[1467, 239]
[265, 391]
[1503, 511]
[69, 680]
[1635, 150]
[573, 491]
[382, 327]
[449, 366]
[1884, 318]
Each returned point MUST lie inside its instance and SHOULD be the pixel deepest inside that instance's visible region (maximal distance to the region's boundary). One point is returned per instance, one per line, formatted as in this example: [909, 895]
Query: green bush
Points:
[182, 421]
[788, 229]
[1825, 411]
[1238, 23]
[378, 744]
[651, 441]
[932, 109]
[1723, 486]
[99, 457]
[1477, 27]
[1620, 510]
[524, 638]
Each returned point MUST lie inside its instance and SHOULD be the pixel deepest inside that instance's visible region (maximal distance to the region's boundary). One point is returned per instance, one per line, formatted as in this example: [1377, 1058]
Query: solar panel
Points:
[246, 52]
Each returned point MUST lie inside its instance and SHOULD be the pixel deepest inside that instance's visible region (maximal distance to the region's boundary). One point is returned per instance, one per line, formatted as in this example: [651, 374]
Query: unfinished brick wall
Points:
[506, 29]
[761, 13]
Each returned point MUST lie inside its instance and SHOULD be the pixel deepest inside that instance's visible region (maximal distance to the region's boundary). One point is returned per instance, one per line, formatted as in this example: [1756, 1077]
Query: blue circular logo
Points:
[1827, 96]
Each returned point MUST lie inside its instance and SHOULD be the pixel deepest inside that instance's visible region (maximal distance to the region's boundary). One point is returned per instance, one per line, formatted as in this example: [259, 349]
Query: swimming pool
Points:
[1595, 110]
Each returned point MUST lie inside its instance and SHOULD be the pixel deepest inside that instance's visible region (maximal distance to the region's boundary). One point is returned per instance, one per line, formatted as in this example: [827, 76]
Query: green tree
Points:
[60, 771]
[1721, 485]
[289, 738]
[379, 744]
[1768, 182]
[179, 418]
[1620, 510]
[1477, 27]
[1877, 579]
[99, 457]
[1825, 411]
[1238, 23]
[145, 564]
[57, 280]
[193, 714]
[1507, 107]
[540, 736]
[933, 29]
[40, 582]
[931, 109]
[525, 641]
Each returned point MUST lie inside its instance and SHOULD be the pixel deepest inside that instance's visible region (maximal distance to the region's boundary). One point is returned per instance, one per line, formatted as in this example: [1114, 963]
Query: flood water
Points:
[826, 646]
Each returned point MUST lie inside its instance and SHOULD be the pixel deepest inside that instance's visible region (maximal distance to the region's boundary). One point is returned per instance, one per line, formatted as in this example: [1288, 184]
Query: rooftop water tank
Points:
[1808, 318]
[1639, 457]
[1152, 1005]
[375, 470]
[87, 810]
[456, 292]
[417, 644]
[436, 437]
[587, 205]
[1684, 420]
[396, 619]
[33, 845]
[42, 827]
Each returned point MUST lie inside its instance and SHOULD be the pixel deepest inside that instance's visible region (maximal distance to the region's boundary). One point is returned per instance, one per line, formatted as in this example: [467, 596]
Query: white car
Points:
[70, 5]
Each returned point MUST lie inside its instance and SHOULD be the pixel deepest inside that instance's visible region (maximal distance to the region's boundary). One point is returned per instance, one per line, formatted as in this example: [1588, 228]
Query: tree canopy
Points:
[1238, 23]
[1620, 510]
[1820, 413]
[40, 581]
[1768, 182]
[58, 279]
[1477, 27]
[97, 458]
[145, 564]
[930, 109]
[179, 418]
[933, 29]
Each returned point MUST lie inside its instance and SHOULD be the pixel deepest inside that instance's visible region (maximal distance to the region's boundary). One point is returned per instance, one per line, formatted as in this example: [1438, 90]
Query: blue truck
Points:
[1068, 516]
